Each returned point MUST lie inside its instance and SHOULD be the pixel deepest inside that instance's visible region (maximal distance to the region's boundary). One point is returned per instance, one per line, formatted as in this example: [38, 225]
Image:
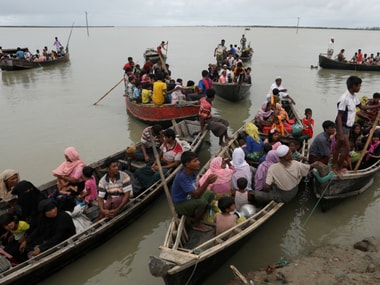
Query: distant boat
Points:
[152, 55]
[232, 91]
[11, 63]
[330, 63]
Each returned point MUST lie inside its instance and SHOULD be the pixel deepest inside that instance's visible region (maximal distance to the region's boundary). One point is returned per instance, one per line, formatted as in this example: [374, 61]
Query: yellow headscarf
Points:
[252, 131]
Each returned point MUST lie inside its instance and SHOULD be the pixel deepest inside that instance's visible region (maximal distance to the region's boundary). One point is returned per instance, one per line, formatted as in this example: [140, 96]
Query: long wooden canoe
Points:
[184, 261]
[11, 64]
[330, 63]
[55, 258]
[162, 114]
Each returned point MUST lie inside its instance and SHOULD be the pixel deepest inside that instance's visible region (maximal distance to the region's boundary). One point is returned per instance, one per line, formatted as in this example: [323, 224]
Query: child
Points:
[266, 148]
[294, 147]
[146, 92]
[90, 191]
[308, 125]
[16, 234]
[242, 195]
[225, 220]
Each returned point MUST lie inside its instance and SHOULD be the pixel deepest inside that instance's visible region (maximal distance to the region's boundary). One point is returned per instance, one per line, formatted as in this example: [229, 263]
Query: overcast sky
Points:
[311, 13]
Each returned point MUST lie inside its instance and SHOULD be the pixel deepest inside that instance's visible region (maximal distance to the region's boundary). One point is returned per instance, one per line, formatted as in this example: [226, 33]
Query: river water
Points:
[45, 110]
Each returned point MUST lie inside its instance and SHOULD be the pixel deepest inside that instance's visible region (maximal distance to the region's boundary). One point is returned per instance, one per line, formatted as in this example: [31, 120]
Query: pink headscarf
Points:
[224, 174]
[67, 167]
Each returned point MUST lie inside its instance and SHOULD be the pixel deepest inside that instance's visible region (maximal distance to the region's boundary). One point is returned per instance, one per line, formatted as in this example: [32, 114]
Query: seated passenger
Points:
[340, 56]
[264, 114]
[8, 179]
[225, 220]
[273, 139]
[320, 148]
[29, 198]
[53, 227]
[146, 92]
[170, 157]
[262, 170]
[373, 151]
[90, 191]
[242, 195]
[71, 169]
[145, 151]
[242, 168]
[283, 178]
[294, 147]
[116, 186]
[224, 170]
[16, 234]
[254, 144]
[188, 199]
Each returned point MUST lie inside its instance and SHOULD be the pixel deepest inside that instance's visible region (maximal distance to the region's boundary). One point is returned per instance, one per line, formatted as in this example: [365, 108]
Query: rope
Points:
[192, 273]
[316, 204]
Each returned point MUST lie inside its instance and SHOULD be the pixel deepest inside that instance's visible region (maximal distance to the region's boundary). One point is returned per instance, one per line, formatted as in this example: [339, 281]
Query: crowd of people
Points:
[153, 83]
[358, 58]
[26, 54]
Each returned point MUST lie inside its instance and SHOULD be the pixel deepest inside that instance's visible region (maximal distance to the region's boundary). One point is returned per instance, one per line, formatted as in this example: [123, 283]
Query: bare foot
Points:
[201, 228]
[338, 173]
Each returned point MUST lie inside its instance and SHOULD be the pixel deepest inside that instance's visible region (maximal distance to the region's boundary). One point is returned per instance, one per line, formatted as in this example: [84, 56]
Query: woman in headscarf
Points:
[71, 169]
[222, 168]
[242, 168]
[53, 227]
[8, 179]
[29, 197]
[263, 115]
[262, 170]
[254, 144]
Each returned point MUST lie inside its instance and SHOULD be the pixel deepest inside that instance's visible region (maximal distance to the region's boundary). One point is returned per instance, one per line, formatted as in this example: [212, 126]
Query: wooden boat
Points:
[330, 63]
[22, 64]
[188, 256]
[152, 55]
[162, 114]
[55, 258]
[246, 54]
[332, 191]
[232, 91]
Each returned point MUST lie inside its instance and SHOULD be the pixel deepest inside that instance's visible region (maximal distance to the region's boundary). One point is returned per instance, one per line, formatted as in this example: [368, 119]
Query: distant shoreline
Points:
[216, 26]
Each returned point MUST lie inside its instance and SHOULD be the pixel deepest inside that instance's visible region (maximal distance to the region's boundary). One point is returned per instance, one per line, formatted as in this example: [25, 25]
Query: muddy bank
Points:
[327, 265]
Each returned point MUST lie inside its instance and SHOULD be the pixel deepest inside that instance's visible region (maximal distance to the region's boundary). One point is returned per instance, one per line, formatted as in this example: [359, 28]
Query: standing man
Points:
[345, 118]
[57, 45]
[220, 52]
[330, 48]
[218, 126]
[243, 42]
[117, 185]
[205, 83]
[146, 152]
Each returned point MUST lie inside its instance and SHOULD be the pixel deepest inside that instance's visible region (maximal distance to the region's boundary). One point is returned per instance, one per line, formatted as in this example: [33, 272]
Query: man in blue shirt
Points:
[20, 53]
[190, 199]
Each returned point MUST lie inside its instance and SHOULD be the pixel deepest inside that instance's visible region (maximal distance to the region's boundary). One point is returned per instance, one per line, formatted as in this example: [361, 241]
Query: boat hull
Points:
[162, 114]
[57, 257]
[232, 92]
[351, 184]
[329, 63]
[17, 64]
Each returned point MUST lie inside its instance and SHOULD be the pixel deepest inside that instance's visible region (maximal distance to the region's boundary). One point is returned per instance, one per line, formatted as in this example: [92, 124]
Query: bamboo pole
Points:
[373, 129]
[108, 92]
[238, 274]
[166, 188]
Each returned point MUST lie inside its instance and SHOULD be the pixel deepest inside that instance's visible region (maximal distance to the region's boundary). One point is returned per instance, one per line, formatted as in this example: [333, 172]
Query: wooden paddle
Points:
[162, 175]
[373, 129]
[108, 92]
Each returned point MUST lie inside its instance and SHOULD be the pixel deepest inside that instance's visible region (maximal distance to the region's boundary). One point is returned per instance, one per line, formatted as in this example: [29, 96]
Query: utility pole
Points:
[88, 34]
[298, 22]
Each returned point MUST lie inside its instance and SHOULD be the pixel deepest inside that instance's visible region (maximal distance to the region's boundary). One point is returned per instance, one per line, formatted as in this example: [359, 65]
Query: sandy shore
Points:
[327, 265]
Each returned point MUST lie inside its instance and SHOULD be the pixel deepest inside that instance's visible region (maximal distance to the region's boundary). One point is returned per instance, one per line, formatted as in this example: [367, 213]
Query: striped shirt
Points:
[119, 187]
